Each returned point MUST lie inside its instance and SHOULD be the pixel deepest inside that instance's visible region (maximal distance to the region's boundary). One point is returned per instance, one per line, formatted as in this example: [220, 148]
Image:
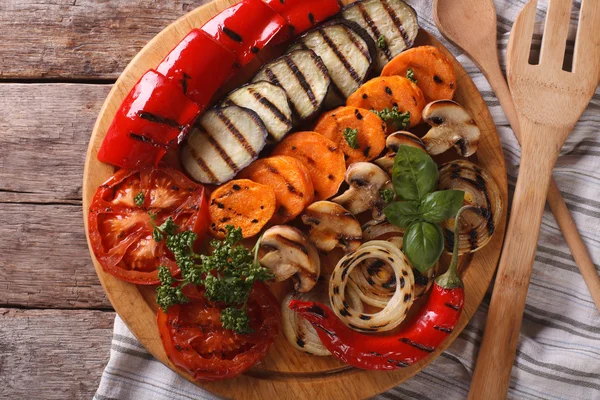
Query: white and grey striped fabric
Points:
[558, 356]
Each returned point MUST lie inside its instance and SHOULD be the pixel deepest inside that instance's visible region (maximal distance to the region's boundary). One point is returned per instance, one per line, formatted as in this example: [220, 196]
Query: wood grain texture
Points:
[79, 39]
[545, 126]
[45, 130]
[449, 17]
[52, 354]
[44, 261]
[285, 372]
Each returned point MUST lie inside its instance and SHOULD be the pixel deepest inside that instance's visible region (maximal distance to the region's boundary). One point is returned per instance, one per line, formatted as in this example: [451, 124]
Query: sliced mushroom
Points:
[451, 126]
[331, 225]
[289, 253]
[366, 181]
[393, 142]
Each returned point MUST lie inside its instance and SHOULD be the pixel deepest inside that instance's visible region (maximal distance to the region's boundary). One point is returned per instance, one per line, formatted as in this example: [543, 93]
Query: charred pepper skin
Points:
[301, 15]
[245, 28]
[148, 122]
[426, 332]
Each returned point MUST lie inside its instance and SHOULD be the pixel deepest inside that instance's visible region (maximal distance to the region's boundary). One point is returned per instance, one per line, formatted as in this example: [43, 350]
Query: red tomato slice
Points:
[195, 340]
[121, 231]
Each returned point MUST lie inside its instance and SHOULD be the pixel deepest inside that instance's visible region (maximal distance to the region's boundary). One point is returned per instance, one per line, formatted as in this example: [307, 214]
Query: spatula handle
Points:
[496, 355]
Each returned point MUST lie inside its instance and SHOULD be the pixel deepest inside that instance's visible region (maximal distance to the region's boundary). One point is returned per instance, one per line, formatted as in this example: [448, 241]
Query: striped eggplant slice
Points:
[303, 76]
[347, 51]
[271, 104]
[476, 228]
[225, 140]
[391, 23]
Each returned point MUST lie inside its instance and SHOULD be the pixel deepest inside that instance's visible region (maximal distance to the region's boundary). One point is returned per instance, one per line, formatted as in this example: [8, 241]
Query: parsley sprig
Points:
[400, 120]
[410, 75]
[351, 136]
[228, 274]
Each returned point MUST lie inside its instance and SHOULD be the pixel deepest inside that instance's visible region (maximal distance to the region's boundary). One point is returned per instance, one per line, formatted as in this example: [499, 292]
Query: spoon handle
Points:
[555, 199]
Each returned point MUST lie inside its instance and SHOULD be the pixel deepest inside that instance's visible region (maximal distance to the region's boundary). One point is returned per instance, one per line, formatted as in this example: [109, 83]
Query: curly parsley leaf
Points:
[351, 136]
[227, 274]
[139, 199]
[410, 75]
[381, 43]
[387, 195]
[400, 120]
[167, 228]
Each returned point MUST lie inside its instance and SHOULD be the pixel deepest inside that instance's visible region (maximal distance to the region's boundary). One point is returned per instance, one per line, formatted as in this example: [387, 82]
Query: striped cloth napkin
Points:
[558, 356]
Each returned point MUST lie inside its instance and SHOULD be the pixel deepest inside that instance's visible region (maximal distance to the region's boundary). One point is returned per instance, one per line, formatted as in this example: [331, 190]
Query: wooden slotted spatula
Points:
[450, 17]
[549, 101]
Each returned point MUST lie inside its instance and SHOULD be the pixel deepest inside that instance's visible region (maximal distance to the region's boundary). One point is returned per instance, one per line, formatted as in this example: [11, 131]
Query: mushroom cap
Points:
[289, 253]
[451, 126]
[393, 142]
[331, 225]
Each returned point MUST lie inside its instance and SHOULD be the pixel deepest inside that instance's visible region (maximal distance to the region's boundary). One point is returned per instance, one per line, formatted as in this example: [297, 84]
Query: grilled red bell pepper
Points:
[149, 121]
[245, 28]
[302, 15]
[430, 327]
[200, 65]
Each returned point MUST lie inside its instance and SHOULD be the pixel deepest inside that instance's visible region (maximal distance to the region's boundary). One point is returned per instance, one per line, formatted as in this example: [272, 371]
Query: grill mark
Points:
[397, 23]
[222, 153]
[291, 243]
[441, 328]
[233, 35]
[211, 175]
[417, 345]
[290, 187]
[235, 132]
[363, 49]
[272, 77]
[452, 306]
[146, 139]
[148, 116]
[301, 80]
[373, 28]
[340, 56]
[270, 106]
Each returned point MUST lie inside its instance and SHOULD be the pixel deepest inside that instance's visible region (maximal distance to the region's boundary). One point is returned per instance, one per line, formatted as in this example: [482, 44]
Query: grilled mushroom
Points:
[376, 228]
[366, 182]
[393, 142]
[451, 126]
[289, 253]
[331, 225]
[480, 190]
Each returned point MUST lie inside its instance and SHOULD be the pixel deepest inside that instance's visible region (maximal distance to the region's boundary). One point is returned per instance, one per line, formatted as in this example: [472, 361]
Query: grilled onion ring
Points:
[376, 228]
[395, 309]
[476, 228]
[299, 332]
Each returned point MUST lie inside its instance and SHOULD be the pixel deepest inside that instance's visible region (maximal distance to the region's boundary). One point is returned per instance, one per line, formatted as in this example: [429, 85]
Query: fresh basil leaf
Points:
[415, 174]
[423, 244]
[441, 205]
[402, 213]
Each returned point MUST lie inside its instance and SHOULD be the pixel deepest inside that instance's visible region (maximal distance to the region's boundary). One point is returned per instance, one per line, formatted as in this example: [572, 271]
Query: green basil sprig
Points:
[415, 177]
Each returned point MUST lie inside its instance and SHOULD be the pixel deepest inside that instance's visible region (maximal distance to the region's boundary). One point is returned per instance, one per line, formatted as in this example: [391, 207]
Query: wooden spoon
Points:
[549, 102]
[454, 19]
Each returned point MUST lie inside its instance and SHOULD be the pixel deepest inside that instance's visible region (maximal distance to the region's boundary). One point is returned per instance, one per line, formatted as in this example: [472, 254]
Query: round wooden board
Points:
[286, 372]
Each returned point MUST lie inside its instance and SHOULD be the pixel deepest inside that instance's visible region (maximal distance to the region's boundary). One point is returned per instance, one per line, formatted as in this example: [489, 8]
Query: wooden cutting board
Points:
[286, 372]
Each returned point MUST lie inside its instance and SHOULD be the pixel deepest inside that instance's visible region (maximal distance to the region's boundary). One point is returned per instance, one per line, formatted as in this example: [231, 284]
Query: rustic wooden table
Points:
[58, 59]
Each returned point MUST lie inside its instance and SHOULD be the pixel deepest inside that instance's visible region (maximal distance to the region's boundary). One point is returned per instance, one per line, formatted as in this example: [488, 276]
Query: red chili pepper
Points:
[149, 121]
[302, 15]
[200, 65]
[245, 28]
[434, 322]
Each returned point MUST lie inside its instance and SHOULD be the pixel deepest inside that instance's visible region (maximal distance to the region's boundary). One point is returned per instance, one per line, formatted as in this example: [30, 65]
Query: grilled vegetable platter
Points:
[278, 191]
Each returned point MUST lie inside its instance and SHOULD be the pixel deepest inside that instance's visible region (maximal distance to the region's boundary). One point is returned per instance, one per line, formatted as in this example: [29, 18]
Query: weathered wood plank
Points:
[83, 39]
[44, 259]
[44, 137]
[52, 354]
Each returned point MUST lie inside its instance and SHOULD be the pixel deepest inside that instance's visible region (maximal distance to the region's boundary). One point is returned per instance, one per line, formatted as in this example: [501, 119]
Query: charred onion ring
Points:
[395, 309]
[476, 228]
[298, 331]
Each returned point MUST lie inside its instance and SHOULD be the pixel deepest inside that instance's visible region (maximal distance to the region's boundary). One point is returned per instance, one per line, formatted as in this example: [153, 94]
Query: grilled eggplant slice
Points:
[303, 76]
[391, 23]
[347, 51]
[226, 140]
[271, 104]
